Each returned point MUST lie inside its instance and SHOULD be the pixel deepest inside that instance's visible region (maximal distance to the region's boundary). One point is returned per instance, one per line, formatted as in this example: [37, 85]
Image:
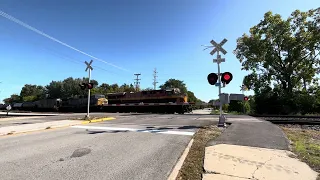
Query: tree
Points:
[191, 97]
[281, 51]
[14, 98]
[54, 89]
[174, 83]
[32, 92]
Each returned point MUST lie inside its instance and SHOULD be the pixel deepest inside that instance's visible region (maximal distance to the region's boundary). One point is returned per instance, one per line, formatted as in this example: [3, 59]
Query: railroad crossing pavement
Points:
[93, 153]
[253, 149]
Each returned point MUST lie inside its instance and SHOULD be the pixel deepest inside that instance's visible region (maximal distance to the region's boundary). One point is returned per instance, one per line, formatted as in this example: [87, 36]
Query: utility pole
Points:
[137, 81]
[90, 69]
[155, 79]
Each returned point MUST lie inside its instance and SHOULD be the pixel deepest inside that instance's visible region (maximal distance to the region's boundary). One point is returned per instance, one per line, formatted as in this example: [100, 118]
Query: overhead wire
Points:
[11, 18]
[60, 55]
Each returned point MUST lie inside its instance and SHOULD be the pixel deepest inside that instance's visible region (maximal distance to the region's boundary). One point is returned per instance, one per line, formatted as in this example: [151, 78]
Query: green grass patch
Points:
[192, 167]
[214, 111]
[306, 144]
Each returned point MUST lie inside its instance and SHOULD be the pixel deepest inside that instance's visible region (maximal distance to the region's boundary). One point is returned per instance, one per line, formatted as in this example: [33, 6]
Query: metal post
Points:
[221, 118]
[244, 110]
[88, 115]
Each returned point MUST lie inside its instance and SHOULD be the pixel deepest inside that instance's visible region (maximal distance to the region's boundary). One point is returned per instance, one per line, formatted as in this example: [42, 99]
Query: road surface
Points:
[130, 147]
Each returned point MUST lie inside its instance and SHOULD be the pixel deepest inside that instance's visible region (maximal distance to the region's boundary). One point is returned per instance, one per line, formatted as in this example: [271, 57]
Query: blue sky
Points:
[168, 34]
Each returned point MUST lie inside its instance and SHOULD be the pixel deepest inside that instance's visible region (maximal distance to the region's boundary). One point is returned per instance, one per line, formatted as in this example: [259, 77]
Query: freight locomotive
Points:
[159, 101]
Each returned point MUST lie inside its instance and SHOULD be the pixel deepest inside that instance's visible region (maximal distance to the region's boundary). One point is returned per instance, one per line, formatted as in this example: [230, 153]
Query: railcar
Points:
[48, 104]
[80, 104]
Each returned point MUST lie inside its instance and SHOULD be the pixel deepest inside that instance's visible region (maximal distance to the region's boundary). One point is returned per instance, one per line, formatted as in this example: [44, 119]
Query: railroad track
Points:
[290, 119]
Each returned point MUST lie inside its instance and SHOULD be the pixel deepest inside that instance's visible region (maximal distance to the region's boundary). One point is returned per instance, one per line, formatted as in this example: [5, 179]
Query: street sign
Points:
[8, 107]
[236, 97]
[217, 84]
[88, 65]
[218, 47]
[219, 60]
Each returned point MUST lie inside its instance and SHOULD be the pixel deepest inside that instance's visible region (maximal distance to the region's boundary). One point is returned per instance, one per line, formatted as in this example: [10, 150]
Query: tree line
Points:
[282, 56]
[69, 88]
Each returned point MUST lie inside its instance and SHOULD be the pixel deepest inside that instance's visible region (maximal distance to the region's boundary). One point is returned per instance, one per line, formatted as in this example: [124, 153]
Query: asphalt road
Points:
[130, 147]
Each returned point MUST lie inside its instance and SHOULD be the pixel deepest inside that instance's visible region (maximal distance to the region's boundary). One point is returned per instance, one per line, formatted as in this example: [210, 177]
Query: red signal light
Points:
[246, 98]
[226, 77]
[90, 85]
[212, 78]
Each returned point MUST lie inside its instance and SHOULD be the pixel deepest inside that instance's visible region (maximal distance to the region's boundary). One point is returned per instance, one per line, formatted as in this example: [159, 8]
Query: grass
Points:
[306, 144]
[192, 167]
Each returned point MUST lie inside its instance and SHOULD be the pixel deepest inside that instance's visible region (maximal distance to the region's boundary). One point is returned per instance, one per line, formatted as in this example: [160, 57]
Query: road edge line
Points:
[175, 171]
[57, 127]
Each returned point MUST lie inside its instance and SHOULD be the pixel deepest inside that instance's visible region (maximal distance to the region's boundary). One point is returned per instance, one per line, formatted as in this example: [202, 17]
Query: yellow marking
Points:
[98, 120]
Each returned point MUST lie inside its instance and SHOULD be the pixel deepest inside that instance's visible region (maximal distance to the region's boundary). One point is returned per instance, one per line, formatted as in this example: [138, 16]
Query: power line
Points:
[11, 18]
[155, 79]
[57, 54]
[137, 81]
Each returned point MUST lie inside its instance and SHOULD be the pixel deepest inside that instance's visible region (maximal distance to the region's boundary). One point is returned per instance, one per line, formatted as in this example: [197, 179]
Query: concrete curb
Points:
[58, 126]
[174, 173]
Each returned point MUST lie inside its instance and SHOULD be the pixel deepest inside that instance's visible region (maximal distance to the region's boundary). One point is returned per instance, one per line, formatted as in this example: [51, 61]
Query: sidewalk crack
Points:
[227, 175]
[258, 166]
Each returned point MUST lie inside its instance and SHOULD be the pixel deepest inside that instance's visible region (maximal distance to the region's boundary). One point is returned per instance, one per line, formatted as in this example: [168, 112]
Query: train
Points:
[153, 101]
[56, 105]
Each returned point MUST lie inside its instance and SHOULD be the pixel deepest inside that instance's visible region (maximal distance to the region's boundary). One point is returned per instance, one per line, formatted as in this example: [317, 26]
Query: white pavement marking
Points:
[135, 130]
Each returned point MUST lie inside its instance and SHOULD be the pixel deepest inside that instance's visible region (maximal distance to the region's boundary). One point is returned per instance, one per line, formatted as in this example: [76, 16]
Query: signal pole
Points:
[137, 81]
[155, 79]
[90, 68]
[217, 49]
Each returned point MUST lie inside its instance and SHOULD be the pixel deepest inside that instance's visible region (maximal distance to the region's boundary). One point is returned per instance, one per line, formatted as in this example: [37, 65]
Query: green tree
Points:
[14, 98]
[54, 89]
[174, 83]
[192, 97]
[282, 51]
[34, 91]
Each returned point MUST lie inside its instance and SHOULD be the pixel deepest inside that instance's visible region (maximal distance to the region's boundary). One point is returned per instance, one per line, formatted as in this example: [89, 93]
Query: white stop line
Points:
[135, 130]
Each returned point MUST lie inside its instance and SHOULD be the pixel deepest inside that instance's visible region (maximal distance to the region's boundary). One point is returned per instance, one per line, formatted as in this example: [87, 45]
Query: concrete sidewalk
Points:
[8, 130]
[253, 149]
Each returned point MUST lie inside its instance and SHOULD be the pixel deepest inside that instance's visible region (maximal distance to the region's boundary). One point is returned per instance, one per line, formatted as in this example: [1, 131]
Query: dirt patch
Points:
[192, 167]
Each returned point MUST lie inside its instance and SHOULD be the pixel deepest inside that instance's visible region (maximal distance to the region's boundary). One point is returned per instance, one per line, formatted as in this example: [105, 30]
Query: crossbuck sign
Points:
[88, 65]
[218, 47]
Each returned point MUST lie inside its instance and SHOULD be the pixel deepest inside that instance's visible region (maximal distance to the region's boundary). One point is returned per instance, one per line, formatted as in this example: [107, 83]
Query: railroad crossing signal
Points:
[226, 77]
[212, 78]
[83, 86]
[218, 47]
[89, 85]
[245, 98]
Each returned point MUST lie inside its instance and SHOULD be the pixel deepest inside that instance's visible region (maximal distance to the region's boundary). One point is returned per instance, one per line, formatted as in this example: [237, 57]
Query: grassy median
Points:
[192, 167]
[306, 144]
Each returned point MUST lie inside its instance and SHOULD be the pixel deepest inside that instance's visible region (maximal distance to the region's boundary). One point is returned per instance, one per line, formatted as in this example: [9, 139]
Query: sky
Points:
[125, 37]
